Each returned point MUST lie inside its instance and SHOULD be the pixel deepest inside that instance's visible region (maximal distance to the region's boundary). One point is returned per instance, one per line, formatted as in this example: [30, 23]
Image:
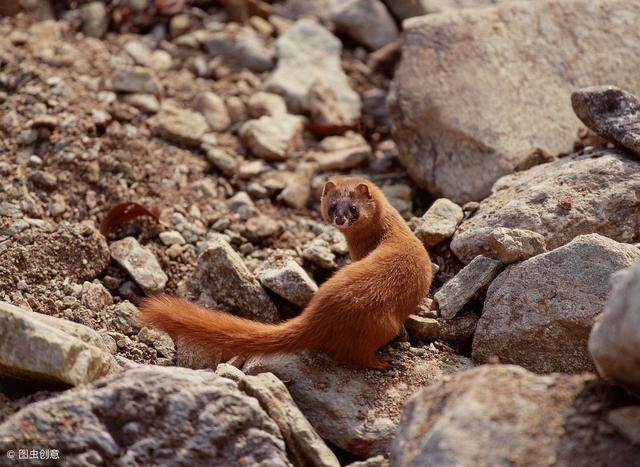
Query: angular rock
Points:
[499, 415]
[319, 253]
[273, 138]
[261, 228]
[303, 443]
[325, 106]
[140, 263]
[289, 281]
[223, 275]
[266, 103]
[298, 187]
[37, 349]
[214, 110]
[310, 47]
[151, 416]
[511, 245]
[476, 275]
[614, 342]
[421, 328]
[356, 410]
[242, 204]
[179, 125]
[439, 222]
[76, 252]
[343, 159]
[136, 79]
[148, 103]
[594, 192]
[538, 313]
[495, 91]
[243, 47]
[366, 21]
[611, 112]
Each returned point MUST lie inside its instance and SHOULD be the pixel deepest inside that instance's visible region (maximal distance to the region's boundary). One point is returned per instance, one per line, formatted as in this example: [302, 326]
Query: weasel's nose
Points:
[340, 220]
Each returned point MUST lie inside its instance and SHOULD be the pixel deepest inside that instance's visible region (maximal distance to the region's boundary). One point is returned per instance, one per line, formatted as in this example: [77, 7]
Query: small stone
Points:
[297, 188]
[424, 329]
[174, 251]
[266, 103]
[237, 110]
[320, 254]
[95, 19]
[243, 47]
[511, 245]
[439, 222]
[179, 25]
[160, 60]
[261, 228]
[180, 126]
[223, 161]
[139, 52]
[289, 281]
[140, 263]
[148, 103]
[251, 169]
[214, 110]
[100, 117]
[343, 159]
[240, 290]
[611, 112]
[171, 237]
[242, 204]
[137, 79]
[96, 297]
[44, 179]
[476, 275]
[273, 138]
[261, 25]
[366, 21]
[310, 47]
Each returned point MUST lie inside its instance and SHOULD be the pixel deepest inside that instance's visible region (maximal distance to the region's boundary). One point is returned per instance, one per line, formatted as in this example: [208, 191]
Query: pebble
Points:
[140, 264]
[266, 103]
[242, 204]
[179, 125]
[148, 103]
[171, 237]
[260, 228]
[289, 281]
[439, 222]
[214, 110]
[137, 79]
[511, 245]
[273, 138]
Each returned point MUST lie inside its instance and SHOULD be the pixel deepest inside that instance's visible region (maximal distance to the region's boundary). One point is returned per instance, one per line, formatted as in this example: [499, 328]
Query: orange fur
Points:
[358, 310]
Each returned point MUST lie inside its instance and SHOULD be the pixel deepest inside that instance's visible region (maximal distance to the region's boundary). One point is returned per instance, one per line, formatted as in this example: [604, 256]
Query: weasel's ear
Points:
[363, 189]
[328, 188]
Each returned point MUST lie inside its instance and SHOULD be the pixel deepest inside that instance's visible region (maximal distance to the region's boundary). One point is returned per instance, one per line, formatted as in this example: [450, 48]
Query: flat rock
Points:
[356, 410]
[499, 415]
[611, 112]
[273, 138]
[310, 47]
[476, 275]
[289, 281]
[178, 125]
[496, 92]
[151, 416]
[140, 263]
[614, 342]
[35, 255]
[344, 158]
[304, 445]
[538, 313]
[40, 350]
[137, 79]
[439, 222]
[595, 192]
[240, 291]
[366, 21]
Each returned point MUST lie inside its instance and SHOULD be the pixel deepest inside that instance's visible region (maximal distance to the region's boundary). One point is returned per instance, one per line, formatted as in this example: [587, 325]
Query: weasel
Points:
[354, 313]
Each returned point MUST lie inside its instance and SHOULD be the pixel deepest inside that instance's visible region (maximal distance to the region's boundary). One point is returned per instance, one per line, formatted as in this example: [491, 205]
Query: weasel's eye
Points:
[333, 206]
[354, 209]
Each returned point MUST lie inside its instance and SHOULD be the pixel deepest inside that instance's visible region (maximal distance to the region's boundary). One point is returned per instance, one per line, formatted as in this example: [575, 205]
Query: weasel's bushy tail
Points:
[217, 332]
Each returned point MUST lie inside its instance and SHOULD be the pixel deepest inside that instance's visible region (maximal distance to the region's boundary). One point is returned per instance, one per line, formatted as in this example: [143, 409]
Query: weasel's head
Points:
[348, 203]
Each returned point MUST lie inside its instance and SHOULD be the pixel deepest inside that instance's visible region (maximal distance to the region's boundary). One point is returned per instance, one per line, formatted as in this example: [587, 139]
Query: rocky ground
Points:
[181, 146]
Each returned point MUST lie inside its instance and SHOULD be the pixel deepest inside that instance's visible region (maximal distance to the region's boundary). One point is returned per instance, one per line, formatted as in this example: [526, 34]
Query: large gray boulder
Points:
[481, 93]
[502, 415]
[596, 192]
[357, 410]
[538, 313]
[151, 416]
[615, 341]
